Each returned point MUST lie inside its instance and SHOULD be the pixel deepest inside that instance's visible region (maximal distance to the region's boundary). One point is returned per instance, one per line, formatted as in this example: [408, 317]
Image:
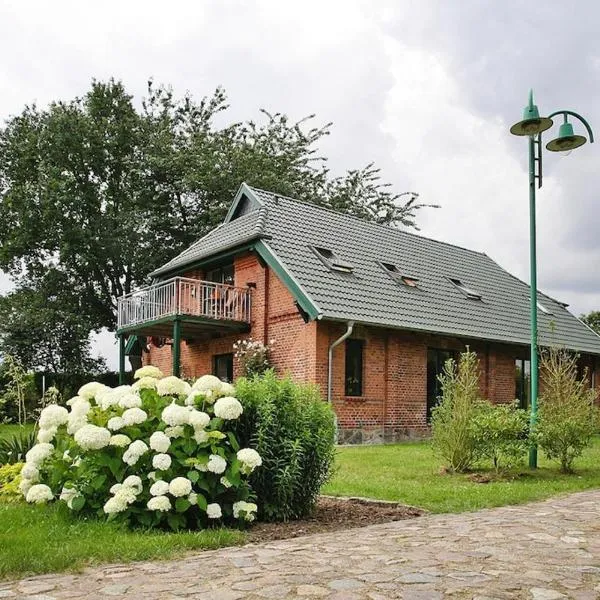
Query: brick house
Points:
[368, 312]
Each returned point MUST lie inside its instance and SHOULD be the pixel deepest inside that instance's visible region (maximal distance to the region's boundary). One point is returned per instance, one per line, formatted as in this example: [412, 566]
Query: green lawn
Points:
[10, 430]
[410, 473]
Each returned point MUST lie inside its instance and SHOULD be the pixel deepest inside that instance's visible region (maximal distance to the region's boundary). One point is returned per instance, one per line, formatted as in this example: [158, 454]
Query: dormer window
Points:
[396, 275]
[332, 261]
[468, 292]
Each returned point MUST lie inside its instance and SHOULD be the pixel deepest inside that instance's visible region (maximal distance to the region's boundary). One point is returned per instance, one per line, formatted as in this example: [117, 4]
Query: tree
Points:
[592, 319]
[102, 192]
[43, 326]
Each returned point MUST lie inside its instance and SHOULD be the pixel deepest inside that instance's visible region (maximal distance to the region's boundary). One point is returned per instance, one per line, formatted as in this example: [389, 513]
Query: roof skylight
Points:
[468, 292]
[394, 273]
[332, 261]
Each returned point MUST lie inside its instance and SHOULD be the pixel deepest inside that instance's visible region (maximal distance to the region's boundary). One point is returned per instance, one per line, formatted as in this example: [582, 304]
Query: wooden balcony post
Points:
[121, 359]
[176, 348]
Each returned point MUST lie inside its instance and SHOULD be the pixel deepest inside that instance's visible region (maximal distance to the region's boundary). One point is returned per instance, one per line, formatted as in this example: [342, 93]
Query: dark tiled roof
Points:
[370, 295]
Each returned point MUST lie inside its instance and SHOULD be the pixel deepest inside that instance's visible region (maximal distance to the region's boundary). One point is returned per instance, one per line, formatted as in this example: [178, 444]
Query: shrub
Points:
[253, 356]
[451, 423]
[10, 478]
[294, 432]
[567, 417]
[501, 434]
[158, 453]
[14, 448]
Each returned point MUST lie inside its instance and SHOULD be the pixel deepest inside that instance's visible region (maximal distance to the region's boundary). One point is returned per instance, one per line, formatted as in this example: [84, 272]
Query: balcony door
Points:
[222, 274]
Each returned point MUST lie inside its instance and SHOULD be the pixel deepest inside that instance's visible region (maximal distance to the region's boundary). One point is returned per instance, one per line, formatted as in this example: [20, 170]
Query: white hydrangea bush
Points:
[158, 453]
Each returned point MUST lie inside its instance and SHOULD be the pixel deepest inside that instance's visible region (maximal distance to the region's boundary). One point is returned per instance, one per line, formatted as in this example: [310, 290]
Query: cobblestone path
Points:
[541, 551]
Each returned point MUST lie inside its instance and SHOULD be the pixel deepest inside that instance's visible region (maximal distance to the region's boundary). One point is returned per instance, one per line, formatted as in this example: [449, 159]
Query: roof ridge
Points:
[371, 223]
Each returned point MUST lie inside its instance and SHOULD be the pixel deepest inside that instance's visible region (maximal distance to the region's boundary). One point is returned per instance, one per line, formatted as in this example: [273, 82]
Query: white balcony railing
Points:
[183, 296]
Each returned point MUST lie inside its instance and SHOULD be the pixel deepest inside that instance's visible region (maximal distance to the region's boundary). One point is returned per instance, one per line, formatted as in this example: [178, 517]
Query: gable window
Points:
[354, 367]
[333, 261]
[522, 382]
[468, 292]
[223, 367]
[222, 274]
[394, 273]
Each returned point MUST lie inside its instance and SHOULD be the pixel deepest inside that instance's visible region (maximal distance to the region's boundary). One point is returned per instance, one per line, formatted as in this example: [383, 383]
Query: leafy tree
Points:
[43, 324]
[592, 319]
[103, 192]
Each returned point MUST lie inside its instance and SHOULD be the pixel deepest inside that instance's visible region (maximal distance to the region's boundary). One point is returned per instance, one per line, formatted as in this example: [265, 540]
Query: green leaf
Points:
[193, 476]
[182, 504]
[98, 481]
[176, 521]
[202, 503]
[77, 503]
[233, 441]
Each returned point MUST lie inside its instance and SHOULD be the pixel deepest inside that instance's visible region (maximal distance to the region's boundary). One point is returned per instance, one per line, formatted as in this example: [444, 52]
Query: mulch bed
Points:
[333, 514]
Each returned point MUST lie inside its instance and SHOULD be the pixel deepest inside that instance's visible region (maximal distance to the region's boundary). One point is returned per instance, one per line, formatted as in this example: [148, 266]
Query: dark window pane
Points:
[436, 359]
[522, 382]
[223, 274]
[223, 367]
[354, 367]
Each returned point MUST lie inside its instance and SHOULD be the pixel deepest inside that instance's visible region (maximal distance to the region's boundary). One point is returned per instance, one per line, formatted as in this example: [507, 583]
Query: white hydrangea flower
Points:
[68, 495]
[228, 408]
[135, 450]
[39, 493]
[198, 419]
[159, 488]
[130, 401]
[148, 371]
[92, 437]
[225, 482]
[216, 464]
[159, 441]
[244, 510]
[38, 454]
[159, 503]
[134, 416]
[80, 406]
[76, 422]
[180, 486]
[73, 400]
[145, 383]
[115, 423]
[250, 459]
[226, 389]
[152, 475]
[114, 505]
[31, 472]
[24, 486]
[174, 432]
[53, 416]
[207, 383]
[119, 440]
[201, 436]
[193, 498]
[191, 399]
[134, 482]
[46, 435]
[172, 386]
[175, 415]
[200, 467]
[115, 488]
[126, 494]
[91, 390]
[161, 462]
[213, 511]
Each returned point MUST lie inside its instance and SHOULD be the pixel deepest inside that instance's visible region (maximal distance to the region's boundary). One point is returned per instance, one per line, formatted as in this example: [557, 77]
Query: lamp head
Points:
[532, 123]
[566, 139]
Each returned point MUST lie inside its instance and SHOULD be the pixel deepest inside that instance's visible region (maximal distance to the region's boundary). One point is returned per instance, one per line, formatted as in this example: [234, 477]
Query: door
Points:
[436, 359]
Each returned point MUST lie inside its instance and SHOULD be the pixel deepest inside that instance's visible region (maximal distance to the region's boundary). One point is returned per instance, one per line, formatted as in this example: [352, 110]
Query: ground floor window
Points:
[223, 367]
[522, 381]
[354, 367]
[435, 366]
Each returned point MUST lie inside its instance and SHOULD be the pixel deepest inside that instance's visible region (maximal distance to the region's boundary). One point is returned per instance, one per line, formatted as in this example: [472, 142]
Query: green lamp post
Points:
[533, 126]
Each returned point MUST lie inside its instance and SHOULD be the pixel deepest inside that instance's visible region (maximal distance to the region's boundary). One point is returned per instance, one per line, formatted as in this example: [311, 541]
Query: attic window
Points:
[394, 273]
[332, 261]
[468, 292]
[540, 306]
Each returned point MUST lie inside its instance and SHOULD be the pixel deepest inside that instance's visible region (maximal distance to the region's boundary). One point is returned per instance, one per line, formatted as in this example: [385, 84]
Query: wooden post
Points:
[121, 358]
[176, 348]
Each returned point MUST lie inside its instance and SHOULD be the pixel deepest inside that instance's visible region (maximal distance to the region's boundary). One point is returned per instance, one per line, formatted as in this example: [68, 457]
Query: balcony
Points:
[202, 309]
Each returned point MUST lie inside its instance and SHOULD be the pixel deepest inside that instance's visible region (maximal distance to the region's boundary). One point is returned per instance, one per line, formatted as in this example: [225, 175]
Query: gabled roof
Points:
[289, 231]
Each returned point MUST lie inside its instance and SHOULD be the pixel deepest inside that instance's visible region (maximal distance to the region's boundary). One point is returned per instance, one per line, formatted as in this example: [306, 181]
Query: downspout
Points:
[347, 334]
[337, 342]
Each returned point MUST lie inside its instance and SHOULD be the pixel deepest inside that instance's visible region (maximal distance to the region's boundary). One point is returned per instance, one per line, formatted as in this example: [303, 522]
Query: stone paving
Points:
[541, 551]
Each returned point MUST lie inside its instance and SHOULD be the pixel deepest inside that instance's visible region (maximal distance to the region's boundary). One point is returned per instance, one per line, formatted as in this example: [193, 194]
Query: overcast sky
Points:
[426, 89]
